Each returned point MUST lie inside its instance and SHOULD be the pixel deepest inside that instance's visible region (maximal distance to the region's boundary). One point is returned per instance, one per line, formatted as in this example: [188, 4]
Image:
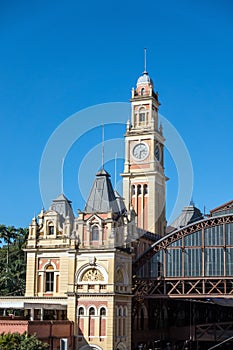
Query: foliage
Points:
[12, 260]
[16, 341]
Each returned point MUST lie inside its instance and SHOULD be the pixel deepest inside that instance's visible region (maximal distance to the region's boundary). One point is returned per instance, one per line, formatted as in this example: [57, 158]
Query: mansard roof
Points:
[102, 198]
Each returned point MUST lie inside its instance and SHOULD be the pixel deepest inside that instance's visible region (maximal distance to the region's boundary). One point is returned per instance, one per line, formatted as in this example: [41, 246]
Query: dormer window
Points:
[51, 228]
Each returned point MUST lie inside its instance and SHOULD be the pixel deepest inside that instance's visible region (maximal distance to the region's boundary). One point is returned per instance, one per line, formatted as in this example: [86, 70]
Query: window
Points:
[51, 229]
[91, 311]
[133, 190]
[95, 233]
[102, 311]
[145, 189]
[49, 279]
[81, 311]
[139, 189]
[102, 323]
[142, 116]
[142, 91]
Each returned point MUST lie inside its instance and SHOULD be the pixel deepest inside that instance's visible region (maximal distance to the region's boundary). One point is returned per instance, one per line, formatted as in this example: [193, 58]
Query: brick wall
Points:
[48, 331]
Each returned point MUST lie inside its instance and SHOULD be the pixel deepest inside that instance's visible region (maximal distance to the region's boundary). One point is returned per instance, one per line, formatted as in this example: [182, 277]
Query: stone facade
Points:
[79, 269]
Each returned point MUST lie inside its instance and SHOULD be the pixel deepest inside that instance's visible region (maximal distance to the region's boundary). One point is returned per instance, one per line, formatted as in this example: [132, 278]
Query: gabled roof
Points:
[224, 207]
[102, 198]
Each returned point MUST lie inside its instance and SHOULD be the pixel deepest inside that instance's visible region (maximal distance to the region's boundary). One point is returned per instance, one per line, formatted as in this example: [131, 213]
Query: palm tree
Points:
[7, 234]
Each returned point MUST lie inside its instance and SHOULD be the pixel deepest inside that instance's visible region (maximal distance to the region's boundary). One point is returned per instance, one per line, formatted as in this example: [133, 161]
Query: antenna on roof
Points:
[145, 60]
[115, 171]
[62, 166]
[103, 146]
[192, 202]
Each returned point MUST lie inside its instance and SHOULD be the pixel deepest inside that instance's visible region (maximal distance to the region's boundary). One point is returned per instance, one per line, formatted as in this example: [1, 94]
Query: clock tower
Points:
[144, 181]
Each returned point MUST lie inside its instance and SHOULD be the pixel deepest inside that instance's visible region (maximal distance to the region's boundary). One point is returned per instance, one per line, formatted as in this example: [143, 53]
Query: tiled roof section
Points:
[62, 205]
[102, 198]
[188, 215]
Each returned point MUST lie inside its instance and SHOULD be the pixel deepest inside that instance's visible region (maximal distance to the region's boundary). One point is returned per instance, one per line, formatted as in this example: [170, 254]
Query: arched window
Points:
[142, 91]
[145, 189]
[125, 311]
[133, 190]
[81, 311]
[51, 229]
[102, 311]
[49, 279]
[120, 311]
[142, 116]
[91, 311]
[102, 323]
[95, 233]
[139, 189]
[91, 327]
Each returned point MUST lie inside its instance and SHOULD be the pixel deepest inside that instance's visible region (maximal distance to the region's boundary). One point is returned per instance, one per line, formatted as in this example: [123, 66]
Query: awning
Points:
[45, 306]
[11, 304]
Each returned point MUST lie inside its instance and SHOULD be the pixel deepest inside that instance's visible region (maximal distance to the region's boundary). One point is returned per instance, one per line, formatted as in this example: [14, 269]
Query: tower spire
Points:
[115, 175]
[103, 146]
[145, 60]
[62, 175]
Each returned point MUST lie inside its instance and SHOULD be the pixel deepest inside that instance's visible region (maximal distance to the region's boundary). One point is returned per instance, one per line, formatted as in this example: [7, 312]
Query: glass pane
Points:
[214, 235]
[49, 281]
[195, 239]
[214, 262]
[229, 261]
[174, 262]
[192, 262]
[229, 234]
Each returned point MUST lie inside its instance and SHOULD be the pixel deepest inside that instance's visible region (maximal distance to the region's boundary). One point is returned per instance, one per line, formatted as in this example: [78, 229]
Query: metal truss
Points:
[164, 242]
[183, 288]
[213, 332]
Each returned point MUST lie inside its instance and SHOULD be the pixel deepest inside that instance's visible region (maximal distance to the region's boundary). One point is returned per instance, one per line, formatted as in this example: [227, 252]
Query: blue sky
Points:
[59, 57]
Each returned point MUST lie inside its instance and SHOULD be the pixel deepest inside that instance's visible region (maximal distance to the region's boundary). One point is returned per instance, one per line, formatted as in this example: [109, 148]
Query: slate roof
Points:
[120, 202]
[188, 215]
[102, 198]
[62, 205]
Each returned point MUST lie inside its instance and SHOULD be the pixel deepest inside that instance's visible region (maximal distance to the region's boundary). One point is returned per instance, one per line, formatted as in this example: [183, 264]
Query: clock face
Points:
[140, 151]
[157, 153]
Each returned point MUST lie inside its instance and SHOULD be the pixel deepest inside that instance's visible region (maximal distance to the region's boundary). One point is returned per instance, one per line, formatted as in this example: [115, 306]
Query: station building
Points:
[115, 276]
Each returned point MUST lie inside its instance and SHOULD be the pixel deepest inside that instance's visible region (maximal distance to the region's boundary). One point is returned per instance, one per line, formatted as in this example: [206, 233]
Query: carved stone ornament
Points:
[119, 276]
[92, 261]
[92, 275]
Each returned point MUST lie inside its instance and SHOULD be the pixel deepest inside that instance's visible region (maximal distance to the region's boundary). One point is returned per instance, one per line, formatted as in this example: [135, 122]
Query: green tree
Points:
[16, 341]
[9, 341]
[12, 260]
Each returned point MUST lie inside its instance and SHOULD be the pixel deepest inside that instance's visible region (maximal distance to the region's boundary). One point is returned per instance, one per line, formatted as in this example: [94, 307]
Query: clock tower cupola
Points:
[144, 182]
